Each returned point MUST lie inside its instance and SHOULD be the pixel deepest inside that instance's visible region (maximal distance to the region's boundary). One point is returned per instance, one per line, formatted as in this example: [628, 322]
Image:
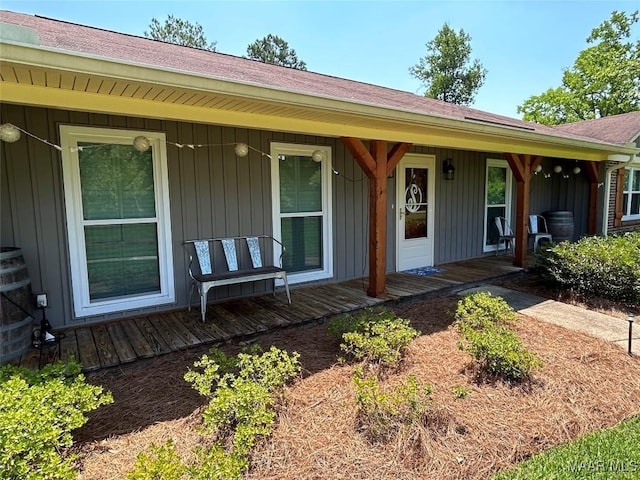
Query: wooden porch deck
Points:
[117, 342]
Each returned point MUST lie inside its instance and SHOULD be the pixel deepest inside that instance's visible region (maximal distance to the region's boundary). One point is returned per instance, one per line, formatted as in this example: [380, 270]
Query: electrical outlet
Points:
[41, 300]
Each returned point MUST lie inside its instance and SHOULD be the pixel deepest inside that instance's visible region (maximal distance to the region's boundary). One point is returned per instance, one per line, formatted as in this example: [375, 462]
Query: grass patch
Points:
[612, 453]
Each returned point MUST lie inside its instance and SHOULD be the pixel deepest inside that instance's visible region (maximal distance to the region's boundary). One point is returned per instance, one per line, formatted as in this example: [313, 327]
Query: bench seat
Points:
[215, 262]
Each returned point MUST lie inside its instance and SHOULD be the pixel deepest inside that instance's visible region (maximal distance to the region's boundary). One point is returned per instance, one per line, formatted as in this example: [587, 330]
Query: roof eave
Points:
[33, 56]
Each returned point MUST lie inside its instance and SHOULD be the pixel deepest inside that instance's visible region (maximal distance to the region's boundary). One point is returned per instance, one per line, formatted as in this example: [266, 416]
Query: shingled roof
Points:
[617, 129]
[91, 41]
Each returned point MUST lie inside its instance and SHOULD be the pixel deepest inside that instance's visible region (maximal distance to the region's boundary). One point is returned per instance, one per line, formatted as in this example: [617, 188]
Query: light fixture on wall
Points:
[448, 170]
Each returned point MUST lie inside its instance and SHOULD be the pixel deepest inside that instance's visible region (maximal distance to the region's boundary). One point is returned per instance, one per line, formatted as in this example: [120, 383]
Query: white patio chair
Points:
[538, 230]
[505, 234]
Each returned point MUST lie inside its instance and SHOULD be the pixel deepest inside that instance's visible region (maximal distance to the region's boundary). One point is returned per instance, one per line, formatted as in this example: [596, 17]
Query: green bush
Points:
[608, 267]
[482, 321]
[498, 351]
[242, 394]
[162, 463]
[373, 335]
[480, 310]
[383, 414]
[38, 411]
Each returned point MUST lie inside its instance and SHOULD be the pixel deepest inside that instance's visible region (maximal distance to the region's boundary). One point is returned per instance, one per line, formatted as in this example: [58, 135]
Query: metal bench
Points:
[211, 271]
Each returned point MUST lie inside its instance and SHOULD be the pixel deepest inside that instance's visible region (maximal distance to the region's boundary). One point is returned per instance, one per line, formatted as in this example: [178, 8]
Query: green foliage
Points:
[482, 319]
[242, 395]
[214, 463]
[460, 391]
[482, 309]
[162, 463]
[382, 414]
[373, 335]
[498, 351]
[447, 71]
[603, 81]
[38, 411]
[275, 50]
[607, 454]
[179, 32]
[605, 266]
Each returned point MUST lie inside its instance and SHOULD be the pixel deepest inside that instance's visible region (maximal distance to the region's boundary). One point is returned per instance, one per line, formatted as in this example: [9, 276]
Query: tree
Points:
[273, 49]
[446, 71]
[604, 79]
[179, 32]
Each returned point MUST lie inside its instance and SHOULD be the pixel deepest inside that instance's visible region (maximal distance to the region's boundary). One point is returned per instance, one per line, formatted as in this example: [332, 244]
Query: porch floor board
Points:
[123, 341]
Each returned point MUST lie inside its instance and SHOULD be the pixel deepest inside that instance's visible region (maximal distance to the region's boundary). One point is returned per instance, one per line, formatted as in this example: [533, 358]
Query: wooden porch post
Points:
[593, 171]
[377, 165]
[522, 167]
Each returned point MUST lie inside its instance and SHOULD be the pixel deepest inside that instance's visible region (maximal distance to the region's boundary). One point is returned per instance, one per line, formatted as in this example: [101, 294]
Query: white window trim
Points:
[627, 178]
[492, 162]
[327, 243]
[83, 306]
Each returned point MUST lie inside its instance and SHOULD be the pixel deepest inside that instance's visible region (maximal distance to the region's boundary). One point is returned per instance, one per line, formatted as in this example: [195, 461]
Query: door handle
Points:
[401, 210]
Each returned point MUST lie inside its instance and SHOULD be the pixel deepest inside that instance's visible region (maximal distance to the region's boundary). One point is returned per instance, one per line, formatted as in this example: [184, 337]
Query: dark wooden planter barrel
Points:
[16, 305]
[560, 224]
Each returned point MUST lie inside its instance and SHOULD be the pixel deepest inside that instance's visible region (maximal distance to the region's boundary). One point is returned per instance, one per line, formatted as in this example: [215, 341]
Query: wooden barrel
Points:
[16, 305]
[560, 225]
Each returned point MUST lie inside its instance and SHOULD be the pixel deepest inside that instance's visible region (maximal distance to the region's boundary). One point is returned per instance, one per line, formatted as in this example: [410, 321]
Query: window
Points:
[117, 205]
[631, 194]
[301, 190]
[497, 200]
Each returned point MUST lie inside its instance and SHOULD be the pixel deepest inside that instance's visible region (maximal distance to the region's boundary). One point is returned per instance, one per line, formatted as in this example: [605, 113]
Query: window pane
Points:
[300, 184]
[116, 182]
[635, 179]
[635, 204]
[122, 260]
[496, 186]
[415, 223]
[302, 238]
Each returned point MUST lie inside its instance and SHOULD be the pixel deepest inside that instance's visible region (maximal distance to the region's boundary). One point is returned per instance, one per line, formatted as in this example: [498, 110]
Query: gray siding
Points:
[214, 193]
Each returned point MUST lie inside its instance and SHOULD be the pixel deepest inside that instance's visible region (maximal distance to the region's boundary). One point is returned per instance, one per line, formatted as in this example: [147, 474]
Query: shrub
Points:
[605, 266]
[242, 395]
[383, 414]
[373, 335]
[480, 310]
[38, 411]
[482, 320]
[162, 463]
[498, 351]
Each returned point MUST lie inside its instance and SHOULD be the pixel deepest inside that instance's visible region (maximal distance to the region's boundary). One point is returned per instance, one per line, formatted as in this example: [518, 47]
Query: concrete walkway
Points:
[612, 329]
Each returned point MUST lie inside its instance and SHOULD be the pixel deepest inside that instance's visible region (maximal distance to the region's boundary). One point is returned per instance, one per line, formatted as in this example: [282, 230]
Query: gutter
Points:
[607, 194]
[31, 55]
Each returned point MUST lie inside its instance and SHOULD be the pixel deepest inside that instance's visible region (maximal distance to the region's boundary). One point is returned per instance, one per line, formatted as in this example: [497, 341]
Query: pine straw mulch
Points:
[585, 384]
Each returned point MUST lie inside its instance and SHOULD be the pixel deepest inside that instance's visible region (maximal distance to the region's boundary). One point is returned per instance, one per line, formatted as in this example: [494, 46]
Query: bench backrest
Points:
[239, 253]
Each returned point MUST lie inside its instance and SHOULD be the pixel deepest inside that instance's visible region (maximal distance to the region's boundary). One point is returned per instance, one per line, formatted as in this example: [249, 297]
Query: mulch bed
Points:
[585, 384]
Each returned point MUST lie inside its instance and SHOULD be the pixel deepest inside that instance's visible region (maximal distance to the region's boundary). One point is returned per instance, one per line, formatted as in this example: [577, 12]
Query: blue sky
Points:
[525, 45]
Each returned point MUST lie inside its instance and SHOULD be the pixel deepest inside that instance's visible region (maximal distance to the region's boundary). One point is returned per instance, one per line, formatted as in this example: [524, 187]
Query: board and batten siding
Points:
[213, 193]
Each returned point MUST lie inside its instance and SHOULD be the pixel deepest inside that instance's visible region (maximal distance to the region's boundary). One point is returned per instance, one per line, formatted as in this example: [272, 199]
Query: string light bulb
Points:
[141, 143]
[241, 149]
[557, 169]
[9, 133]
[576, 170]
[317, 155]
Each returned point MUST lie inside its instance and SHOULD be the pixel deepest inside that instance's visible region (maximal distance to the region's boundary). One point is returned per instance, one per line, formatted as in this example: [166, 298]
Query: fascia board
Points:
[84, 64]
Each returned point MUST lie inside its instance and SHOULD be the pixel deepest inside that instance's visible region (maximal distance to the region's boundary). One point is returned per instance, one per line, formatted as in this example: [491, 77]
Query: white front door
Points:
[414, 212]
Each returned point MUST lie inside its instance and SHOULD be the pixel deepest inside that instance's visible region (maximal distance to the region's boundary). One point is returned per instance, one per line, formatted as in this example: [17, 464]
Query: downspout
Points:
[607, 193]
